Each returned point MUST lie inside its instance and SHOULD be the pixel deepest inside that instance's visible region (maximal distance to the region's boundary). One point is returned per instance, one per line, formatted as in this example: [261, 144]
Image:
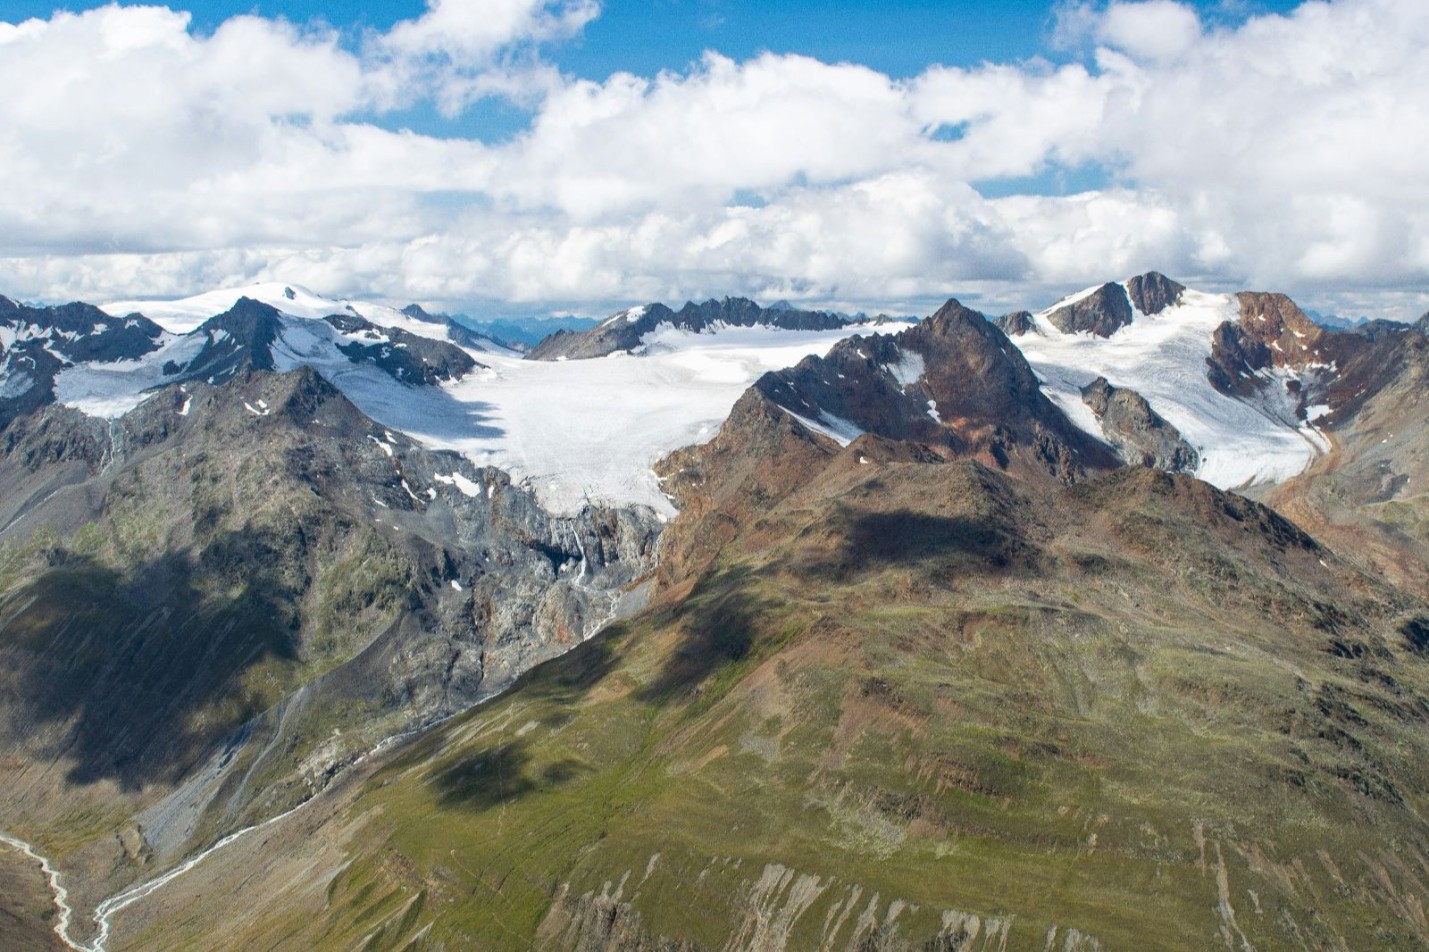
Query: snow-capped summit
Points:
[186, 314]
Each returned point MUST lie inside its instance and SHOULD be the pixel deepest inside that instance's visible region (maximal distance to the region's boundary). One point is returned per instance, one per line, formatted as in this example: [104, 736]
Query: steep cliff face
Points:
[1153, 292]
[1103, 312]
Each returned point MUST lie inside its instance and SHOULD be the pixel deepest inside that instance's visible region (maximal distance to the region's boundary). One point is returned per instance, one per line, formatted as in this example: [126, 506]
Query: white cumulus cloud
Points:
[1283, 151]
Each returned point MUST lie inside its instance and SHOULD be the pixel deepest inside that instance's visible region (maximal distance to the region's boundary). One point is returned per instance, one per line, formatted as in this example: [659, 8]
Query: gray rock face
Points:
[414, 360]
[1153, 292]
[1015, 324]
[976, 394]
[1102, 312]
[1140, 435]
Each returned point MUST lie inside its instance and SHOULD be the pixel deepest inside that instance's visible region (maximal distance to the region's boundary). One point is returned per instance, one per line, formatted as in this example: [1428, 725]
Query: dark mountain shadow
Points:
[499, 775]
[428, 411]
[860, 542]
[719, 624]
[137, 676]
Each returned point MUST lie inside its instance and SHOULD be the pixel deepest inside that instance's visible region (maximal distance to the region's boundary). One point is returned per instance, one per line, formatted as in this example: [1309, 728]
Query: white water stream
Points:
[124, 898]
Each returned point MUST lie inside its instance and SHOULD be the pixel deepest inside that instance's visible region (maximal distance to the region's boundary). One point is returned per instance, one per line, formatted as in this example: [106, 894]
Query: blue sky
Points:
[547, 156]
[644, 37]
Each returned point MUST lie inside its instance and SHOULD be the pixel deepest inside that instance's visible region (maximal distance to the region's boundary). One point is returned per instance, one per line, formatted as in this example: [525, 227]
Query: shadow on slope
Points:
[134, 676]
[854, 542]
[500, 774]
[718, 624]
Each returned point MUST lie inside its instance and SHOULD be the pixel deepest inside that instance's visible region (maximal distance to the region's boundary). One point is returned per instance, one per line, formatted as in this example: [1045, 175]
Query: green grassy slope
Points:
[922, 705]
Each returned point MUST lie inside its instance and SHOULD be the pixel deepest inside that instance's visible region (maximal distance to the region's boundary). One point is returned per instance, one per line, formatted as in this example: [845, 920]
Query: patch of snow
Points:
[188, 402]
[456, 585]
[841, 431]
[465, 486]
[908, 370]
[933, 411]
[15, 384]
[384, 447]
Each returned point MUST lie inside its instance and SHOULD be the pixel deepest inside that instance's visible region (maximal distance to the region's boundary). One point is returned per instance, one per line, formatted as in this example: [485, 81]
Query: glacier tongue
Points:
[1163, 357]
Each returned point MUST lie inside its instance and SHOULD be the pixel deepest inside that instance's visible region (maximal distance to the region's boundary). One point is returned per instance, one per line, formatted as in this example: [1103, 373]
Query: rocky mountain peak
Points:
[1102, 312]
[1153, 292]
[241, 337]
[1271, 331]
[1274, 320]
[418, 313]
[954, 381]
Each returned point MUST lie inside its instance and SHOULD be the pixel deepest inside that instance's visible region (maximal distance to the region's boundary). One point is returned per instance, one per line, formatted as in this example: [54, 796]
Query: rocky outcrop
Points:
[770, 914]
[409, 358]
[239, 339]
[626, 330]
[1140, 435]
[1153, 292]
[1015, 324]
[1271, 333]
[1101, 313]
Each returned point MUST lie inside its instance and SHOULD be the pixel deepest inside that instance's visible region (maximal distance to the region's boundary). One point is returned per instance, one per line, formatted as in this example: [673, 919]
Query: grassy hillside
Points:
[915, 705]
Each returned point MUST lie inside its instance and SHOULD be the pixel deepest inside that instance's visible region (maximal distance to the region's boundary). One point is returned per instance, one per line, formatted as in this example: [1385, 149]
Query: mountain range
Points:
[727, 627]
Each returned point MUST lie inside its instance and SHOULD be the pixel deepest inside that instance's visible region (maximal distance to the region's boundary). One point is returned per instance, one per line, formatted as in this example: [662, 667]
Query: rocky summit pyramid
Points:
[1104, 626]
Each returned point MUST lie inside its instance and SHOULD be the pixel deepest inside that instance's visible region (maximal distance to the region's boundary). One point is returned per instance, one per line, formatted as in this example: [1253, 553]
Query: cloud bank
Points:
[1284, 152]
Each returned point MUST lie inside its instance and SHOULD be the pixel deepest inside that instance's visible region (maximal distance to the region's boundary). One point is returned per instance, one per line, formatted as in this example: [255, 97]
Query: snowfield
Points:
[583, 431]
[1163, 357]
[589, 430]
[575, 430]
[186, 314]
